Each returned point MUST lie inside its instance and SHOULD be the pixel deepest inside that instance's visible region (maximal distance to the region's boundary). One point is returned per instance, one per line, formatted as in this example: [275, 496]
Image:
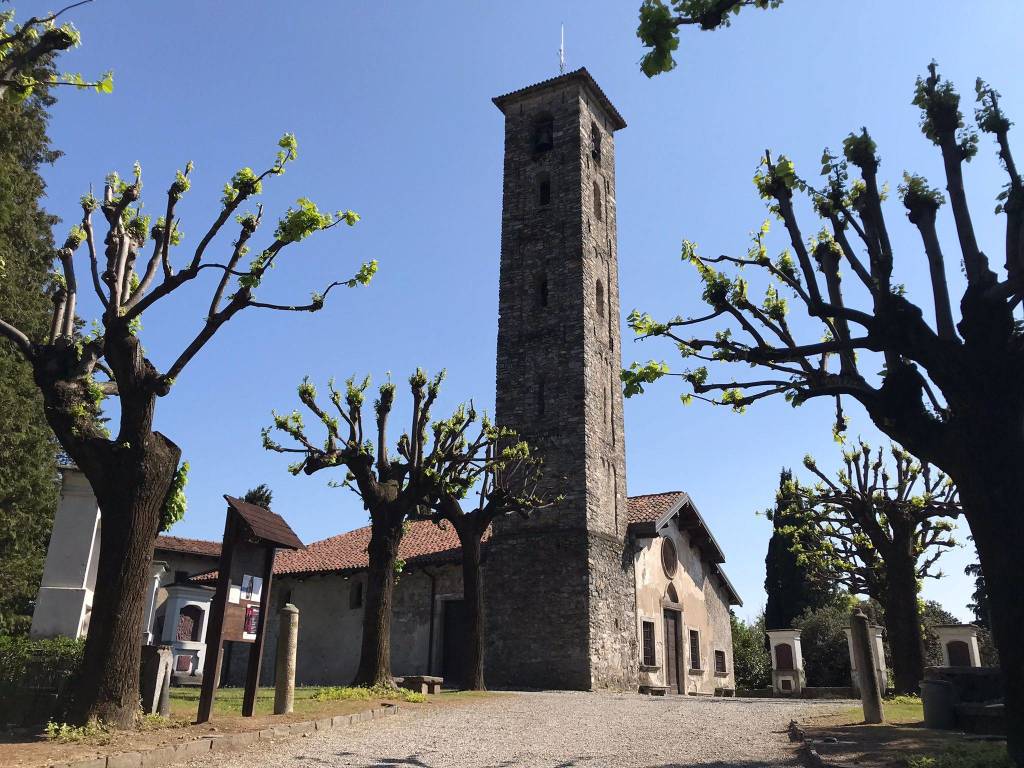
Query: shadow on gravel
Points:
[575, 762]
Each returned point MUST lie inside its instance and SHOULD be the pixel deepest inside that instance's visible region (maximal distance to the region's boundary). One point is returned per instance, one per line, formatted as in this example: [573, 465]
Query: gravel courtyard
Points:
[553, 730]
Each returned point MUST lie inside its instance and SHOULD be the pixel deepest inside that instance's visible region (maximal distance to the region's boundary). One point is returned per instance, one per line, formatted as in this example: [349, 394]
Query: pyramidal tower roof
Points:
[580, 75]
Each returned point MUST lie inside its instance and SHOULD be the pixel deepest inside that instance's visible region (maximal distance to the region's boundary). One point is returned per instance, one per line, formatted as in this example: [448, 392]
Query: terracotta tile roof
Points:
[651, 506]
[200, 547]
[578, 74]
[423, 542]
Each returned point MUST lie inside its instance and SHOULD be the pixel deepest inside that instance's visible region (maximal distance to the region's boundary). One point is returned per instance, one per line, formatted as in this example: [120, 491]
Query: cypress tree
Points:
[791, 590]
[28, 451]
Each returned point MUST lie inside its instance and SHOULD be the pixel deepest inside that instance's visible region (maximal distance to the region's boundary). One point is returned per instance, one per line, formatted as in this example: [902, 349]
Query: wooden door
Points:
[453, 652]
[673, 663]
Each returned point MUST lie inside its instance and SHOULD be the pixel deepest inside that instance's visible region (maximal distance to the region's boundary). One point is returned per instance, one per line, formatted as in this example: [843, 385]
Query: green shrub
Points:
[62, 733]
[57, 654]
[980, 754]
[360, 693]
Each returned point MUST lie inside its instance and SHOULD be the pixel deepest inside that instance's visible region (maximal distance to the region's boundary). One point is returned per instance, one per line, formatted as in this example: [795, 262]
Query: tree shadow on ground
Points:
[417, 761]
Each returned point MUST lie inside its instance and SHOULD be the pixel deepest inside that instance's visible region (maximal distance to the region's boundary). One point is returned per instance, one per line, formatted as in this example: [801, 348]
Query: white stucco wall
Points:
[704, 607]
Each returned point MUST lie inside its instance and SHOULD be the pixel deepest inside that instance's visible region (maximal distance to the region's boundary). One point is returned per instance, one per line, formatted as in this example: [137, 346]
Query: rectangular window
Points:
[694, 649]
[720, 662]
[355, 594]
[648, 631]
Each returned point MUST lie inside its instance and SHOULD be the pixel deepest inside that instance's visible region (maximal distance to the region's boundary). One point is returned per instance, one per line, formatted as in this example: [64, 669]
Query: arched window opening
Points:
[671, 596]
[543, 133]
[959, 653]
[190, 624]
[784, 657]
[541, 293]
[595, 143]
[598, 213]
[544, 189]
[599, 291]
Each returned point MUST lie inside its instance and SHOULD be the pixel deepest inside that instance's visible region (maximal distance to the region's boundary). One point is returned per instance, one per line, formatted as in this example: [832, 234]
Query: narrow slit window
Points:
[542, 294]
[599, 291]
[543, 134]
[544, 190]
[355, 595]
[595, 143]
[598, 213]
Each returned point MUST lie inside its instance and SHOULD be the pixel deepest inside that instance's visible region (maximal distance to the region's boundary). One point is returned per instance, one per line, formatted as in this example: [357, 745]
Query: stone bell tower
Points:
[559, 591]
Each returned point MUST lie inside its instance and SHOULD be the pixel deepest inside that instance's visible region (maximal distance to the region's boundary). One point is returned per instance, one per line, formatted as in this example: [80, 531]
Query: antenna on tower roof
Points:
[561, 53]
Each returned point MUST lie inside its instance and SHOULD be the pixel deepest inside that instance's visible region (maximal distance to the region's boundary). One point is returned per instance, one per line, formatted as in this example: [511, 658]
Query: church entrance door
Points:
[453, 652]
[673, 661]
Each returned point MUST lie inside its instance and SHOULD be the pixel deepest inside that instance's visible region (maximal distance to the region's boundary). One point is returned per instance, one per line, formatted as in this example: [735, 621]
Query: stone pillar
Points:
[69, 575]
[156, 571]
[156, 669]
[959, 644]
[287, 643]
[862, 640]
[788, 677]
[881, 671]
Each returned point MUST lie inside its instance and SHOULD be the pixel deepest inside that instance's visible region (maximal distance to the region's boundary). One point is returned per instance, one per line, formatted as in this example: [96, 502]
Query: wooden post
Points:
[252, 680]
[214, 645]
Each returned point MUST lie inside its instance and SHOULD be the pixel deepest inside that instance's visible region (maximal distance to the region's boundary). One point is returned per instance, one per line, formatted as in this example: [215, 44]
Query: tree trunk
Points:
[991, 490]
[375, 652]
[473, 597]
[903, 621]
[131, 485]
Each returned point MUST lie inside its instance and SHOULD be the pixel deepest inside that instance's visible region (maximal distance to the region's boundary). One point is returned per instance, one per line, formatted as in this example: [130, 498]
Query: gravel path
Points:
[552, 730]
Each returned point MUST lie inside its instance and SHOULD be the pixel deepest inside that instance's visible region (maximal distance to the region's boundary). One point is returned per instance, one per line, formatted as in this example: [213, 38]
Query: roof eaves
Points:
[583, 76]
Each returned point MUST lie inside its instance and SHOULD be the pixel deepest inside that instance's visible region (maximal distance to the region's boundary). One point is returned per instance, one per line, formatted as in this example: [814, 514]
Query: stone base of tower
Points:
[614, 654]
[559, 612]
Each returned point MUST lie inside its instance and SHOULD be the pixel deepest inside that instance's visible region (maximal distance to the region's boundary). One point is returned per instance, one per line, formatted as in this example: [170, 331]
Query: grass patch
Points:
[898, 710]
[308, 700]
[359, 693]
[980, 754]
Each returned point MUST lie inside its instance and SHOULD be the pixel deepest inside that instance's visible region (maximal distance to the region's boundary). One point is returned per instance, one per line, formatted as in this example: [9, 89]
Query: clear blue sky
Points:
[391, 105]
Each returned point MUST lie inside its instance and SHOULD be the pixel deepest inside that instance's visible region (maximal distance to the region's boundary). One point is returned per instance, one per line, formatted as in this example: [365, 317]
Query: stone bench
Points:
[426, 684]
[654, 690]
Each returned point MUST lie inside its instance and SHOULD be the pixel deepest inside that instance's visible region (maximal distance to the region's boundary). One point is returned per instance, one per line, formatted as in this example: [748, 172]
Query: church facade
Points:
[602, 591]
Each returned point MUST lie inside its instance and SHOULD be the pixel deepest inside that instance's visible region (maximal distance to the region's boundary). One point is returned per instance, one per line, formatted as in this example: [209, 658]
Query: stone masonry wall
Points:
[559, 593]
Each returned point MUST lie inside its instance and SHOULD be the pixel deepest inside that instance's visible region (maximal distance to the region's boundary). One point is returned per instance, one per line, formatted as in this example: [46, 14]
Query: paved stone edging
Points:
[189, 750]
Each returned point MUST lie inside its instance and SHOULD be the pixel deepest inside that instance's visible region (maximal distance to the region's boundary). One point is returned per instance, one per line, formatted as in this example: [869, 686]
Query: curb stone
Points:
[179, 753]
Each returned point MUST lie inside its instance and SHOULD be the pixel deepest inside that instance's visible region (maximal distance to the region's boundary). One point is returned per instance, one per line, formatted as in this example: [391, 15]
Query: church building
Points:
[603, 591]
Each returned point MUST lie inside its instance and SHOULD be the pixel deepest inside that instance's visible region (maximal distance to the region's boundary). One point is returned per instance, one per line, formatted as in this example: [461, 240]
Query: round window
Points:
[669, 558]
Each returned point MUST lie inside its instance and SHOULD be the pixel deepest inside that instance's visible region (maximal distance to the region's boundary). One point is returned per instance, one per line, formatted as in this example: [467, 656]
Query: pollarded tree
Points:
[660, 23]
[27, 47]
[880, 534]
[390, 486]
[131, 472]
[426, 479]
[790, 584]
[500, 473]
[950, 393]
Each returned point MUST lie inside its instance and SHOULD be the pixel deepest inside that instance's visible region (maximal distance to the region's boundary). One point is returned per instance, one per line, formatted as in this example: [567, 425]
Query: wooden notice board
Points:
[252, 536]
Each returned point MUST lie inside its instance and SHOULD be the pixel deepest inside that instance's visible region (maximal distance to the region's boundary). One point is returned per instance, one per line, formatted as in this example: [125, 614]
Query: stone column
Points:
[881, 671]
[788, 677]
[863, 643]
[287, 643]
